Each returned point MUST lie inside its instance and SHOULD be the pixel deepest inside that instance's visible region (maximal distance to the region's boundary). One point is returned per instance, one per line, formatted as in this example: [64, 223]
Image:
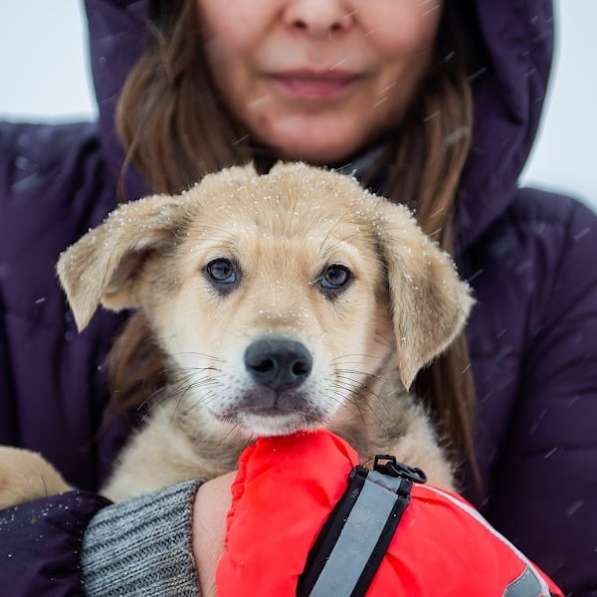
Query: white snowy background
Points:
[44, 75]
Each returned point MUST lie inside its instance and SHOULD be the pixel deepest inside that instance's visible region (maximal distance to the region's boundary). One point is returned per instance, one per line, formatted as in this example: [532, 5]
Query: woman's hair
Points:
[175, 130]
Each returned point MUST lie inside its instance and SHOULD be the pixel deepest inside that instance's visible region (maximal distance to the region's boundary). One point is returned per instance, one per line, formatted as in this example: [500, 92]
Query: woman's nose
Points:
[318, 17]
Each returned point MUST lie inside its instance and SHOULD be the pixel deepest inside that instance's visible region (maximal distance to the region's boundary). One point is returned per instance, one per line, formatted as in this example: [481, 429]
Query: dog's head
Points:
[278, 297]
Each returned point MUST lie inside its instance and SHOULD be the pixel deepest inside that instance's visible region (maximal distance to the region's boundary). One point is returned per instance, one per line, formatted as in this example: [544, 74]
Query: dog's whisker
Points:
[363, 373]
[334, 396]
[360, 405]
[196, 382]
[347, 363]
[353, 354]
[349, 383]
[337, 396]
[190, 377]
[152, 397]
[202, 400]
[193, 369]
[352, 397]
[235, 427]
[179, 399]
[359, 408]
[184, 373]
[203, 354]
[182, 388]
[360, 381]
[353, 364]
[355, 383]
[193, 376]
[341, 385]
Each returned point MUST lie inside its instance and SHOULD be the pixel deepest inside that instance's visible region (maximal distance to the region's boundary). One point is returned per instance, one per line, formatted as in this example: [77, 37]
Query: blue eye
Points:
[335, 277]
[222, 271]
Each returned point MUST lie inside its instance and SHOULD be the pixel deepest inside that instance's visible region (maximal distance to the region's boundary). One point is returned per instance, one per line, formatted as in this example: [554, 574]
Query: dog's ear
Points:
[104, 265]
[430, 303]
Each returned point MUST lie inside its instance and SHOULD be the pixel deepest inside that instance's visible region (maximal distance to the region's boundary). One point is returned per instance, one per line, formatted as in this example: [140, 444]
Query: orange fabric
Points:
[287, 486]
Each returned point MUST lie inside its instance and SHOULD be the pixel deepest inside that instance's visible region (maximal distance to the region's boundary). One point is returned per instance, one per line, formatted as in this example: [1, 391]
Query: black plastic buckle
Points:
[393, 468]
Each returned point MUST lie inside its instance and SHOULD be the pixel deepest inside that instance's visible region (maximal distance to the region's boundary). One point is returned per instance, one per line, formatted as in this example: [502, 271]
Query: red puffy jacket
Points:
[287, 487]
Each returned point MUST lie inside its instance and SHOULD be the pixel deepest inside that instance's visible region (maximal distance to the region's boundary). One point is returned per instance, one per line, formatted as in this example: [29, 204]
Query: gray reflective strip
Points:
[357, 539]
[526, 585]
[390, 483]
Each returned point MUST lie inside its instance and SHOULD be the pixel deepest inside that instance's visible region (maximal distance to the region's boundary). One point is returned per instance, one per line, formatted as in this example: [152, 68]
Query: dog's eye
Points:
[222, 271]
[335, 277]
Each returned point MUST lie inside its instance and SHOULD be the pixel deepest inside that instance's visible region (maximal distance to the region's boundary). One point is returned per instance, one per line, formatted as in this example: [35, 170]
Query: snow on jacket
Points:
[529, 256]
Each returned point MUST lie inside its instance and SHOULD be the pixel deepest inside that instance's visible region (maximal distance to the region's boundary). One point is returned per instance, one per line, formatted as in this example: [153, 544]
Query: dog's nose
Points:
[278, 363]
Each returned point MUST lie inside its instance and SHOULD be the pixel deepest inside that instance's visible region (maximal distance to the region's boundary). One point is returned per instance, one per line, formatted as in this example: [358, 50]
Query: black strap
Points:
[355, 538]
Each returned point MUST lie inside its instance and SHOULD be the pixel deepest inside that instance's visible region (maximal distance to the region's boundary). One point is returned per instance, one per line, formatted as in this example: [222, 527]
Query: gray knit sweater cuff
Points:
[142, 547]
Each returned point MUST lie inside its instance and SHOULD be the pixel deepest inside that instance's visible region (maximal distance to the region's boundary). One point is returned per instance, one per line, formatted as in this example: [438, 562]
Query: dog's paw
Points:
[25, 476]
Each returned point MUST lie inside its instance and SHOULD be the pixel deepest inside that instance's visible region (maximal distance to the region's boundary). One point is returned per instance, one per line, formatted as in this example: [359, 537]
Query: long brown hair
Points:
[175, 131]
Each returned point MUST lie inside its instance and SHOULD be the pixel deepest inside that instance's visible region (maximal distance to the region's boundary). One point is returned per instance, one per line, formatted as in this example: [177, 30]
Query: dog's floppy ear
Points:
[430, 303]
[103, 266]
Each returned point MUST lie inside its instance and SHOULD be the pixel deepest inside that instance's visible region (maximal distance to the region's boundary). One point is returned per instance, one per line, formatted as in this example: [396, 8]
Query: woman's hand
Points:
[212, 503]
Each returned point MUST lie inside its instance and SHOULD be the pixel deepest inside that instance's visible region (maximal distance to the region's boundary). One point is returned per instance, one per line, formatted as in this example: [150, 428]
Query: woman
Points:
[385, 89]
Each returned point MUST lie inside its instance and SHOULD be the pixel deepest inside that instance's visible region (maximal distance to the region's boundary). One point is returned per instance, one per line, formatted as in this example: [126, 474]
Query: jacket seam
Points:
[545, 321]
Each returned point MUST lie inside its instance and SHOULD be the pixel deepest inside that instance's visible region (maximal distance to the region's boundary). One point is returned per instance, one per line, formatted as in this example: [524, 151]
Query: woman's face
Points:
[316, 79]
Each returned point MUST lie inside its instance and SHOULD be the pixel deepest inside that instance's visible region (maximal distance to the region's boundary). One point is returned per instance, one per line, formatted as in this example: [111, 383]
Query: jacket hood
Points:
[509, 86]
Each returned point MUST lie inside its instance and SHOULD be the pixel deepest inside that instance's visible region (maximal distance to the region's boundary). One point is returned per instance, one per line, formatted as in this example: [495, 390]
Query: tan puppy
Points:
[284, 302]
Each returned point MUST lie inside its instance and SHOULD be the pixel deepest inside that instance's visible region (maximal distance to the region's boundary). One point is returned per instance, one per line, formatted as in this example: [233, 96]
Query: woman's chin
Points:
[313, 144]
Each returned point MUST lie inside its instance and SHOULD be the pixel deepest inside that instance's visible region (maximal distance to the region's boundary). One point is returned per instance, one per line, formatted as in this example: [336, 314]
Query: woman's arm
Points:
[549, 461]
[143, 546]
[78, 543]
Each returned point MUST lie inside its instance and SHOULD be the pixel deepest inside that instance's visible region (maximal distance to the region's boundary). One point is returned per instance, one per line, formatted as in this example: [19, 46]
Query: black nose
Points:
[278, 363]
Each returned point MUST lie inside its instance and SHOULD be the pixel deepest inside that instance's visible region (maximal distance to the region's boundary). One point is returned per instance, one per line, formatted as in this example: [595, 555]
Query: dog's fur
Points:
[403, 306]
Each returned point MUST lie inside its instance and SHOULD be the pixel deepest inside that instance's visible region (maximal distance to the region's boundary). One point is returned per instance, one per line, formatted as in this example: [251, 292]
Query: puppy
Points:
[283, 302]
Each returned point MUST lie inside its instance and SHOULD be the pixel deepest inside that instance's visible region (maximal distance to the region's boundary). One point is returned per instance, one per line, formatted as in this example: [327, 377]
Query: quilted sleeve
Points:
[78, 543]
[40, 544]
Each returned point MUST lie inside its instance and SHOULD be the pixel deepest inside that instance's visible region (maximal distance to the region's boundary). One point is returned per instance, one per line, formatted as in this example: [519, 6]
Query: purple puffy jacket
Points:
[530, 256]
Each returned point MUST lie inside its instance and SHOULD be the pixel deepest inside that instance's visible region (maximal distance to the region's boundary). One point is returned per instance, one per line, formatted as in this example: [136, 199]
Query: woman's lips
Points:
[312, 87]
